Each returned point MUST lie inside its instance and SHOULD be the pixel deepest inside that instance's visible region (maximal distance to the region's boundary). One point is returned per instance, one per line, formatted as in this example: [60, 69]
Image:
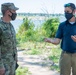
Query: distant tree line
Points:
[38, 14]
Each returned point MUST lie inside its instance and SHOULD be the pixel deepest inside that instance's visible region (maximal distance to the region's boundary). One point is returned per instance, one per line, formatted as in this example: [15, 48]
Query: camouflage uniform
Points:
[8, 51]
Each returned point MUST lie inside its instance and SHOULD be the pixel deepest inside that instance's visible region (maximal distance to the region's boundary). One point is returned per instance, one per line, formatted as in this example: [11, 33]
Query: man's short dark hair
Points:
[71, 5]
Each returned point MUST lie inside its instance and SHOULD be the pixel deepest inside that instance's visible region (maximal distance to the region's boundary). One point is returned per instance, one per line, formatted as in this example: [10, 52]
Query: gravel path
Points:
[35, 64]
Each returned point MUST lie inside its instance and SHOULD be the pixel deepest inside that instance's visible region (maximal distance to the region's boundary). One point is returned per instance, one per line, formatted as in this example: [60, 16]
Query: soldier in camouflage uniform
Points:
[8, 51]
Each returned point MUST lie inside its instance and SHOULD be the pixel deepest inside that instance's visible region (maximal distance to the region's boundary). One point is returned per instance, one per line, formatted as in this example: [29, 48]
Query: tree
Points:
[26, 30]
[49, 27]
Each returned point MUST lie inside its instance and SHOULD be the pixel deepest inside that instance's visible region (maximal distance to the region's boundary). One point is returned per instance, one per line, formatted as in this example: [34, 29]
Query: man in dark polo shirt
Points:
[67, 34]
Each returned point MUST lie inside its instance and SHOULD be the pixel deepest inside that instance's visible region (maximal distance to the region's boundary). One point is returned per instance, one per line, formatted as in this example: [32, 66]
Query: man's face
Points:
[68, 10]
[11, 14]
[69, 13]
[12, 11]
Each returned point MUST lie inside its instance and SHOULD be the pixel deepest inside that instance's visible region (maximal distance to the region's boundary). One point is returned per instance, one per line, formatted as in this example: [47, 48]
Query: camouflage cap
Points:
[10, 6]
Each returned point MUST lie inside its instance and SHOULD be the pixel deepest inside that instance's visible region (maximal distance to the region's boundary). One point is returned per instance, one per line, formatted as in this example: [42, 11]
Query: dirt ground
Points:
[36, 64]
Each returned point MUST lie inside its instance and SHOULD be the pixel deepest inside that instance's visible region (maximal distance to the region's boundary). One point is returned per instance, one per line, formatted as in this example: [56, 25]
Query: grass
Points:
[34, 52]
[55, 67]
[23, 71]
[41, 48]
[55, 56]
[32, 48]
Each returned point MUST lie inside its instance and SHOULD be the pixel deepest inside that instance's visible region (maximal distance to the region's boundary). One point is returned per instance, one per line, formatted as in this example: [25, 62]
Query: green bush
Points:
[50, 27]
[23, 71]
[27, 31]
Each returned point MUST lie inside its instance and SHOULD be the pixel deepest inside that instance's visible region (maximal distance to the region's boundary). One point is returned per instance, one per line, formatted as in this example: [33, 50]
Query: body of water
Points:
[37, 23]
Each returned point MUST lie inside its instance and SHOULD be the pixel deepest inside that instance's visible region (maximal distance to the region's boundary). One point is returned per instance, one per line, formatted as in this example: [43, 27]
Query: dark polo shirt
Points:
[64, 32]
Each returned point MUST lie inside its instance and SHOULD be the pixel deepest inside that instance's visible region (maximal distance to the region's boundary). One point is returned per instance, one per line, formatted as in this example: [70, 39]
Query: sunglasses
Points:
[67, 5]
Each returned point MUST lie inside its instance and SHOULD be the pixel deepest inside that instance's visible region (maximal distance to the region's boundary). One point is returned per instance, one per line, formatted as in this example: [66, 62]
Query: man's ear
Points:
[75, 10]
[8, 12]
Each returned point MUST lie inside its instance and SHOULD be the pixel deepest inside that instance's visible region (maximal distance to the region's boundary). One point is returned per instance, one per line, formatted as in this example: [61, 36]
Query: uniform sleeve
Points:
[14, 42]
[16, 58]
[59, 33]
[15, 53]
[1, 62]
[15, 45]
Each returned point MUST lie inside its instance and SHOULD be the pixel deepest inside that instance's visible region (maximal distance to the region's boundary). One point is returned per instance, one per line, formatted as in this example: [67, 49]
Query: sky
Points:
[39, 6]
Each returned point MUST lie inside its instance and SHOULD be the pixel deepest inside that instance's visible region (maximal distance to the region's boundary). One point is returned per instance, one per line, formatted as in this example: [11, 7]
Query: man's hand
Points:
[2, 71]
[47, 40]
[73, 38]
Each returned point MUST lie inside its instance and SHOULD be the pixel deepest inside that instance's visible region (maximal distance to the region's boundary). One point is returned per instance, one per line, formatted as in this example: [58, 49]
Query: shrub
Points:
[49, 27]
[23, 71]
